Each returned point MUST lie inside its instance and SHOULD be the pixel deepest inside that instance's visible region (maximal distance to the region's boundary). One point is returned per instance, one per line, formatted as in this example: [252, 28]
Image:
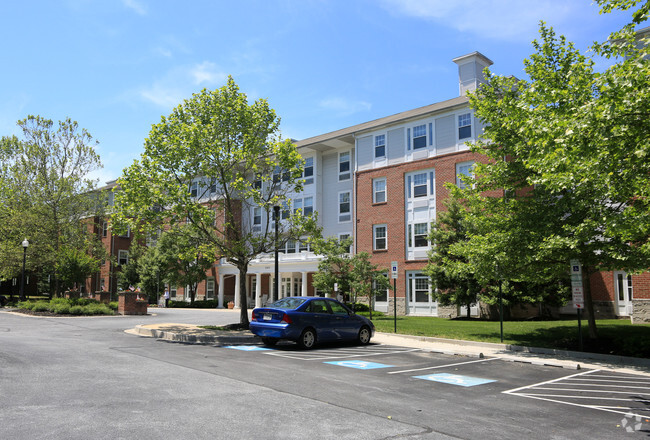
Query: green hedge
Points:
[72, 306]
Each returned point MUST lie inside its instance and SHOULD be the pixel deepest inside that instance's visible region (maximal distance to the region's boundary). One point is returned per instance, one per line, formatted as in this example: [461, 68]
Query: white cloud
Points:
[136, 6]
[343, 106]
[510, 20]
[179, 84]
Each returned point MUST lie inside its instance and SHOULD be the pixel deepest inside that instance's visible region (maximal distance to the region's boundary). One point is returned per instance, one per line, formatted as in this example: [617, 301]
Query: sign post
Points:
[578, 295]
[393, 270]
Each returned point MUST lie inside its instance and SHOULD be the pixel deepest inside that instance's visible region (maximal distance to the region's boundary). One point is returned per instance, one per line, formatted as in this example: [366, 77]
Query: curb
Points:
[225, 338]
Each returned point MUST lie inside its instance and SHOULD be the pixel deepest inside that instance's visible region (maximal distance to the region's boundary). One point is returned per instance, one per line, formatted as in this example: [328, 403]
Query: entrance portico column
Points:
[292, 286]
[220, 304]
[237, 293]
[258, 290]
[304, 284]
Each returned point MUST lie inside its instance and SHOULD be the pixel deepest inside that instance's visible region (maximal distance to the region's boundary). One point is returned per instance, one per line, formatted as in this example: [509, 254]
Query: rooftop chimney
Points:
[470, 71]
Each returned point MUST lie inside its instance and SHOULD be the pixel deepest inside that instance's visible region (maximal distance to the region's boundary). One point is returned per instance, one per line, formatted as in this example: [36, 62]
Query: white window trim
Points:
[458, 126]
[374, 237]
[311, 179]
[458, 174]
[374, 190]
[343, 173]
[374, 147]
[119, 256]
[338, 202]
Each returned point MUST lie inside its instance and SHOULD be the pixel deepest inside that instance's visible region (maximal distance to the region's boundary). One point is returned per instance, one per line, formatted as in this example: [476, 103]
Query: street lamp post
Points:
[276, 217]
[22, 276]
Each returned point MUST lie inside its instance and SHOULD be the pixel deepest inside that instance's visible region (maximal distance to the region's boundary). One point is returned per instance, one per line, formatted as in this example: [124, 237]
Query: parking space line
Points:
[548, 382]
[321, 355]
[442, 366]
[592, 393]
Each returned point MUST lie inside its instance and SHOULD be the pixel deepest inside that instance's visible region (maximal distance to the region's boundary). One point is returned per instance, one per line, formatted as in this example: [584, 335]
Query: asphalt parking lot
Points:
[79, 378]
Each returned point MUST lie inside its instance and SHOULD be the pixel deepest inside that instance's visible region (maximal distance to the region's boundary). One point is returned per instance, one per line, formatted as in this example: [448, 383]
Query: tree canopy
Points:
[46, 195]
[217, 164]
[570, 149]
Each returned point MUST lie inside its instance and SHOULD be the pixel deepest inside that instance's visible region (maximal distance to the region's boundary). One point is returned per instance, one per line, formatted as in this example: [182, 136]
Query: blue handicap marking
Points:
[247, 347]
[455, 379]
[360, 365]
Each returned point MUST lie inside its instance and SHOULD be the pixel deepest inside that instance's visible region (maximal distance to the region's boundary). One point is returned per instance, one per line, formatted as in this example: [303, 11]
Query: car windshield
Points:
[288, 303]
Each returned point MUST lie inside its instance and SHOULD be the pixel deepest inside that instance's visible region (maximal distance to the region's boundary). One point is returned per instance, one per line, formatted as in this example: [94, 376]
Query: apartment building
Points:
[382, 182]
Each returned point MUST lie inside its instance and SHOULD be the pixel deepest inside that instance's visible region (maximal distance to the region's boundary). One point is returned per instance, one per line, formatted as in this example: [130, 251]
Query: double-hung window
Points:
[344, 207]
[344, 166]
[257, 219]
[419, 136]
[308, 171]
[194, 189]
[379, 237]
[297, 206]
[464, 171]
[308, 206]
[380, 146]
[464, 126]
[420, 185]
[286, 211]
[379, 190]
[420, 232]
[104, 229]
[122, 257]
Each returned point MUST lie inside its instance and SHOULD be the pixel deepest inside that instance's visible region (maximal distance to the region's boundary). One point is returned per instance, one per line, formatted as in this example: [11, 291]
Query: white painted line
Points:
[548, 381]
[588, 391]
[619, 377]
[611, 386]
[624, 411]
[607, 380]
[583, 397]
[442, 366]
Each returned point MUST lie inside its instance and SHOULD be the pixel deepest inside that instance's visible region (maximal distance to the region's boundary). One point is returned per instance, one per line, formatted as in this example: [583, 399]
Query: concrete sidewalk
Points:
[192, 334]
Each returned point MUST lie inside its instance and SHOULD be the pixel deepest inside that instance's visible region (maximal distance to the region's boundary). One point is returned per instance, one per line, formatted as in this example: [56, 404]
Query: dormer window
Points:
[308, 171]
[380, 146]
[464, 126]
[344, 166]
[419, 136]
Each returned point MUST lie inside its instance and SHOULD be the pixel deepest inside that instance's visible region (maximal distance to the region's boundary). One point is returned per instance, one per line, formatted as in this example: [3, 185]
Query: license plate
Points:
[267, 317]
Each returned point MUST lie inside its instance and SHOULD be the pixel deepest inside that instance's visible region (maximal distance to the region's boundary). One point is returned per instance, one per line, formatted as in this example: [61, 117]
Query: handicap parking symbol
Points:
[455, 379]
[360, 365]
[247, 347]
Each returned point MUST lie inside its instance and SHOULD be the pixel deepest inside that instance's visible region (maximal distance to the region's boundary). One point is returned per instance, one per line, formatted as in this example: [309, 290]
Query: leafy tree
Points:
[367, 278]
[74, 266]
[183, 264]
[45, 193]
[151, 271]
[452, 277]
[570, 148]
[336, 265]
[210, 164]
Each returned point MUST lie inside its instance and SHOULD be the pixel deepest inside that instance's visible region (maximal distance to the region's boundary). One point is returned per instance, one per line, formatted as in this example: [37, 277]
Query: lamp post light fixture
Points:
[25, 244]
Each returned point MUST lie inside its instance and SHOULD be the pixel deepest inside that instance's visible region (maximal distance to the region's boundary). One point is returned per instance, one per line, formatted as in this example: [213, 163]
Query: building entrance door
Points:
[623, 287]
[419, 301]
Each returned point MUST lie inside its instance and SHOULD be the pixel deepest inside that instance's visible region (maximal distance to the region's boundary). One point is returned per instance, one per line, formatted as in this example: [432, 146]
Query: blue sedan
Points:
[308, 320]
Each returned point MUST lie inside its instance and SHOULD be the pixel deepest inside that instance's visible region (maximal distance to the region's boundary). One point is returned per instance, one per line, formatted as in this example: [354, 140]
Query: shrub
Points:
[97, 309]
[76, 310]
[113, 305]
[41, 306]
[25, 305]
[61, 308]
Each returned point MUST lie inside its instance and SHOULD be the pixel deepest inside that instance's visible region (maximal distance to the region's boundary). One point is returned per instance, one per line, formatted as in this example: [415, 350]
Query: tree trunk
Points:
[469, 310]
[589, 304]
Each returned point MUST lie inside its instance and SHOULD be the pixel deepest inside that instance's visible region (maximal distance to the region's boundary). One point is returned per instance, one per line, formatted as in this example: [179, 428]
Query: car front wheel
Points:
[364, 335]
[307, 339]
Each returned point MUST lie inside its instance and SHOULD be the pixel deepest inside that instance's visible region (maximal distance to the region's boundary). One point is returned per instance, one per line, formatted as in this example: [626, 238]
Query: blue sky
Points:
[117, 66]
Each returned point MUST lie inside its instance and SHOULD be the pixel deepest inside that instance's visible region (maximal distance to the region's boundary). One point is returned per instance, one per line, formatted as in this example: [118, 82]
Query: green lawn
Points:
[616, 336]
